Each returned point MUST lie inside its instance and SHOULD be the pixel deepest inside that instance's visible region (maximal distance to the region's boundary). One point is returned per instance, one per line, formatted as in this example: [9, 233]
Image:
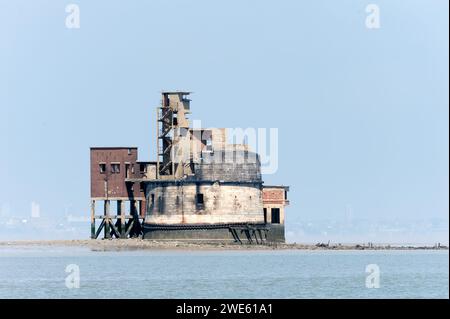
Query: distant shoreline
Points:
[139, 244]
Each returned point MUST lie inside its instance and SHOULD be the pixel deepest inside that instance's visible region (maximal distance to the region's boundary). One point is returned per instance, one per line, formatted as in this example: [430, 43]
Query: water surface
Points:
[40, 272]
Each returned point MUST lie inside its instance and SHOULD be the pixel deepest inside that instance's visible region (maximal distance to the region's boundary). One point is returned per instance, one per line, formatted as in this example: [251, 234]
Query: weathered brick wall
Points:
[109, 184]
[273, 195]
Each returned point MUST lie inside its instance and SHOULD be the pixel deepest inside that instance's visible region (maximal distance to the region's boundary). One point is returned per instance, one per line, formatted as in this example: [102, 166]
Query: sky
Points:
[362, 114]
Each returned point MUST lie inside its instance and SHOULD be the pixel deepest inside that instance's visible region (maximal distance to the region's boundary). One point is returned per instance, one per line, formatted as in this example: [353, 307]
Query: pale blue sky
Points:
[362, 114]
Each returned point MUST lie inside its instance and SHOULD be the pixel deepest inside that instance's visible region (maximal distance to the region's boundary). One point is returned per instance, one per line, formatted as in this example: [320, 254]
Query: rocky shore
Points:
[137, 244]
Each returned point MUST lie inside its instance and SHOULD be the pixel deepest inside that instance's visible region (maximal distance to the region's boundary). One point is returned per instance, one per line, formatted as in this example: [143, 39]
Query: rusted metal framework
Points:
[171, 121]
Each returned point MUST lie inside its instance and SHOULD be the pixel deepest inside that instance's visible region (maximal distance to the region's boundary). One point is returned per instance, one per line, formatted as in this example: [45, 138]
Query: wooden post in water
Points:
[106, 218]
[133, 210]
[121, 204]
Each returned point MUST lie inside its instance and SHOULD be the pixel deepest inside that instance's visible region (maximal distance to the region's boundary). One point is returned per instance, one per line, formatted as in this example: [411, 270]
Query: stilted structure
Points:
[110, 166]
[200, 188]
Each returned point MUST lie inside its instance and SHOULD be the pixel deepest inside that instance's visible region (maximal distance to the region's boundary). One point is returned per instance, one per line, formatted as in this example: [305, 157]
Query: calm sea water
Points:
[40, 272]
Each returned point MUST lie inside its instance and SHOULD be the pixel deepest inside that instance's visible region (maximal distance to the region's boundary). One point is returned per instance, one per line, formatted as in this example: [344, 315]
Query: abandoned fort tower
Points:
[199, 188]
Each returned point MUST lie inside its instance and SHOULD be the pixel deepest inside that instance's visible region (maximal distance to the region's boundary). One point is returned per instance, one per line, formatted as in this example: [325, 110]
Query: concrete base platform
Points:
[248, 233]
[276, 233]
